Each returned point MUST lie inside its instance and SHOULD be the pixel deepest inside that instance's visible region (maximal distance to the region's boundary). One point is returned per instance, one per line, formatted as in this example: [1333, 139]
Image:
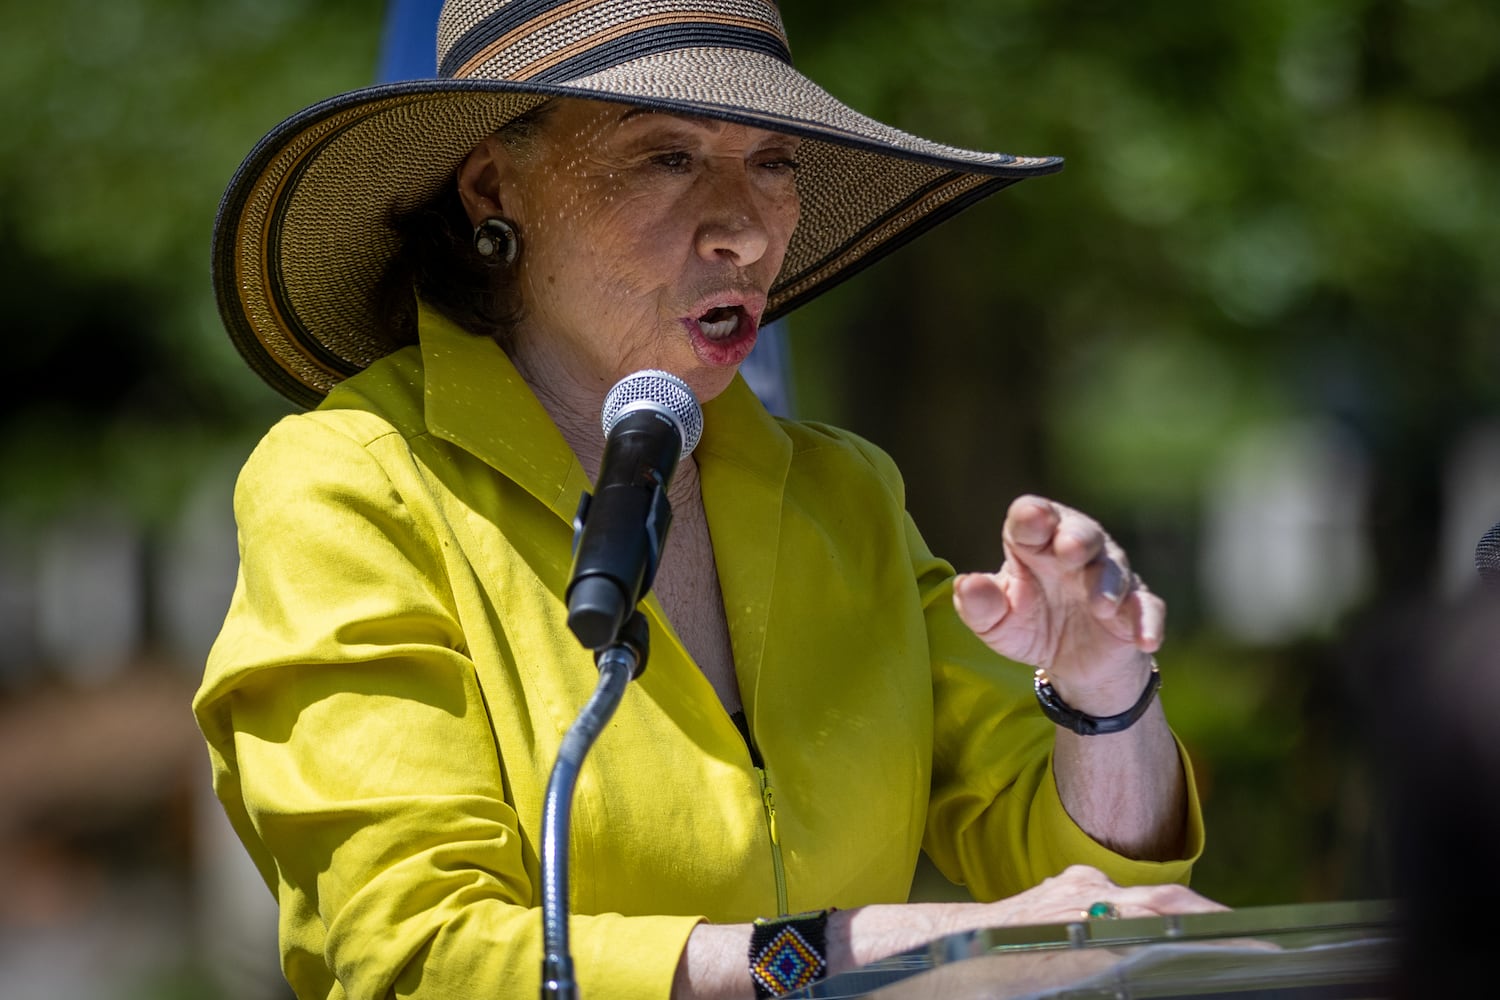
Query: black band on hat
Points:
[499, 24]
[665, 39]
[591, 31]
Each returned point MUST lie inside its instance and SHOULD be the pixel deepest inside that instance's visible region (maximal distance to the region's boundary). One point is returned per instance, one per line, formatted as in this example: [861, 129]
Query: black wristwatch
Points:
[1070, 718]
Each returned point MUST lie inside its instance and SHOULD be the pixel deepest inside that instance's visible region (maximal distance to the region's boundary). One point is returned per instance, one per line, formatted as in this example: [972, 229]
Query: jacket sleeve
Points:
[353, 752]
[995, 822]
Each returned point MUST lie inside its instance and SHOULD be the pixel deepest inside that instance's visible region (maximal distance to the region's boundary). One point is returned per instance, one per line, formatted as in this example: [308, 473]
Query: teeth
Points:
[719, 329]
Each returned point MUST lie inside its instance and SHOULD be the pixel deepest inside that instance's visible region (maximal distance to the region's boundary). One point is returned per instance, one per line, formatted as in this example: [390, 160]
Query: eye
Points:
[675, 160]
[779, 159]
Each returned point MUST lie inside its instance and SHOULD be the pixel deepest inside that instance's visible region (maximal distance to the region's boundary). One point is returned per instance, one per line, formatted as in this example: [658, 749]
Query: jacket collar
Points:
[476, 399]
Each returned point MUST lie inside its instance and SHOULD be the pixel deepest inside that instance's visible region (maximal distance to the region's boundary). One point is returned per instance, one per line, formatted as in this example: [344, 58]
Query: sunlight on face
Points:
[651, 241]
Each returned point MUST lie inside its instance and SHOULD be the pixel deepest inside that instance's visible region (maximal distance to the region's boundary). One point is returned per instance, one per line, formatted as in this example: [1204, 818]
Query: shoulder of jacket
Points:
[837, 446]
[383, 400]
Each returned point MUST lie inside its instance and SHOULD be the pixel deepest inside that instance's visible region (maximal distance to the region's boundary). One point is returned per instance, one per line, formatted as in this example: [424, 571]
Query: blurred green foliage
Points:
[120, 125]
[1272, 208]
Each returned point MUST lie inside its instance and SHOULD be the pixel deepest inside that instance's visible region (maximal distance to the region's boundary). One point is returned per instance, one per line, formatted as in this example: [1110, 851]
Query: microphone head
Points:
[1487, 557]
[661, 391]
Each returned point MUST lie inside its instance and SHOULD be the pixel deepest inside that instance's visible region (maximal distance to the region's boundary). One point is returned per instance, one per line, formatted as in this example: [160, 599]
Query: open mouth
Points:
[721, 322]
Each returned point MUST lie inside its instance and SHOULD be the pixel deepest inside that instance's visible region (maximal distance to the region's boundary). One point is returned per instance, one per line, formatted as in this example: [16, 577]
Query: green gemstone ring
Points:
[1102, 911]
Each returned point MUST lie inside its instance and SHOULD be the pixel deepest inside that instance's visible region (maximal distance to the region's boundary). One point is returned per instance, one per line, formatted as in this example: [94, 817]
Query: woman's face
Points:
[649, 240]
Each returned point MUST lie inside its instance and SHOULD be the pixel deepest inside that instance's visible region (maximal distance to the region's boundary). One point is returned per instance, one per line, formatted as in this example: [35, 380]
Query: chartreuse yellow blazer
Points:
[387, 697]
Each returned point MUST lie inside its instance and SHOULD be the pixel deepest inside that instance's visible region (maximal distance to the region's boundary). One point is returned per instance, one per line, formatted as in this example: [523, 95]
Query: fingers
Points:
[1031, 522]
[1071, 549]
[1151, 619]
[1080, 881]
[1116, 593]
[1073, 893]
[1108, 579]
[1160, 900]
[1039, 531]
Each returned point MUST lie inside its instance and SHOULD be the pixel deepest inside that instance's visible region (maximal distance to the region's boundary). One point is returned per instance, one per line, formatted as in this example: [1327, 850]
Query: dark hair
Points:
[438, 263]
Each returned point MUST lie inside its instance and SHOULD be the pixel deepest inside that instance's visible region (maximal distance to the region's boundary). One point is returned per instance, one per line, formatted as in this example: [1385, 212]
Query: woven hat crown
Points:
[547, 41]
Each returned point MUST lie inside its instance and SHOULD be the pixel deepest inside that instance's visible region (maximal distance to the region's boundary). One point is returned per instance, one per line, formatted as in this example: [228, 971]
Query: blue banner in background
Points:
[408, 51]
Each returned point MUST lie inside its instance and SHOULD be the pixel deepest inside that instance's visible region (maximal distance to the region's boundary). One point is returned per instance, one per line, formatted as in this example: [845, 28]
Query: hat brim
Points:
[303, 232]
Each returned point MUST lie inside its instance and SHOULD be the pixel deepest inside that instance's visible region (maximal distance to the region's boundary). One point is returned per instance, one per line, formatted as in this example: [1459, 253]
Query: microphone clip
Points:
[601, 598]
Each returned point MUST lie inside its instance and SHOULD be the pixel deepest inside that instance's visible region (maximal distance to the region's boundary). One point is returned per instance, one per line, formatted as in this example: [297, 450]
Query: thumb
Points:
[980, 602]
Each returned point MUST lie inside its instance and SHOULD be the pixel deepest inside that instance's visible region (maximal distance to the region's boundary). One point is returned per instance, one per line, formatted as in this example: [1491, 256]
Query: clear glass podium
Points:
[1315, 951]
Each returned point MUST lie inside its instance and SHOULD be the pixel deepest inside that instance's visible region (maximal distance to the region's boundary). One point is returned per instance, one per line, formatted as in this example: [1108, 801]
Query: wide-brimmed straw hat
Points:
[304, 231]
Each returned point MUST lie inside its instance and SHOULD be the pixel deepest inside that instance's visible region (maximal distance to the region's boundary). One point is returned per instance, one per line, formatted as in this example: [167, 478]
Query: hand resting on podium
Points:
[713, 965]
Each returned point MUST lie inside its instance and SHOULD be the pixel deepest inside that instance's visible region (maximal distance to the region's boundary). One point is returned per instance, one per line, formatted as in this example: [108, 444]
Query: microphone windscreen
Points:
[1487, 557]
[666, 391]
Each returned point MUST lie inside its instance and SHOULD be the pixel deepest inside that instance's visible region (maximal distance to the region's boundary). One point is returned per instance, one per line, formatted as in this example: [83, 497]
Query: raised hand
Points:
[1066, 600]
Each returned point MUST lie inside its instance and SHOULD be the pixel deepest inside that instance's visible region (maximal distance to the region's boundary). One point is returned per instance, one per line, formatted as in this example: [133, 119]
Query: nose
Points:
[733, 225]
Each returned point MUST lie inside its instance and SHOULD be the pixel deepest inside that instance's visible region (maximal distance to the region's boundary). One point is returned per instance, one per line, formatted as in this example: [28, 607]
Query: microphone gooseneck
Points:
[1487, 557]
[651, 421]
[619, 664]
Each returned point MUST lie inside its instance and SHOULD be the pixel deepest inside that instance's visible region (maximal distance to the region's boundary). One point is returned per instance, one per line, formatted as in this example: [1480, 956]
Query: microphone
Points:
[651, 422]
[1487, 557]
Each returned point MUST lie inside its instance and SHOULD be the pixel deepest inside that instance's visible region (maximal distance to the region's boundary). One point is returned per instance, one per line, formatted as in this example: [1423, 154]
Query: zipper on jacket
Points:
[768, 800]
[768, 804]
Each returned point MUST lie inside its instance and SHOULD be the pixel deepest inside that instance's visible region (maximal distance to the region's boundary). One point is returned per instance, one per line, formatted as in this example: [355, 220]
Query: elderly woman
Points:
[454, 272]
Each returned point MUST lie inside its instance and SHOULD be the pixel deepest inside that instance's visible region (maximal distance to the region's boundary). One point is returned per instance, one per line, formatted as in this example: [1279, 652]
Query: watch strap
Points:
[1065, 715]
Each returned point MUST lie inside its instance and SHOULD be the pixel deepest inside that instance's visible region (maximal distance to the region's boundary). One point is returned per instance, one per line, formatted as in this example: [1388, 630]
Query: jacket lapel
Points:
[742, 463]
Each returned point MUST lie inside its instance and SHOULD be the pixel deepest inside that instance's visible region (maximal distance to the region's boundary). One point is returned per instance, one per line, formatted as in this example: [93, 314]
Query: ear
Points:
[485, 180]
